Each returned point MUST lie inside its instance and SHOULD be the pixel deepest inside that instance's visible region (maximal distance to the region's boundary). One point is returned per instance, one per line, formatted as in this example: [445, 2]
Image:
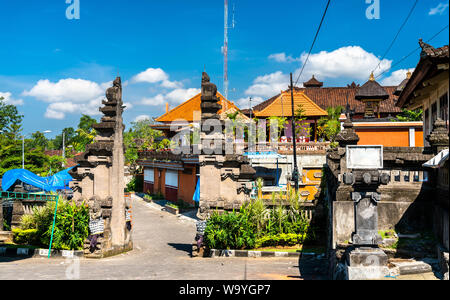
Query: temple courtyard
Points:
[162, 251]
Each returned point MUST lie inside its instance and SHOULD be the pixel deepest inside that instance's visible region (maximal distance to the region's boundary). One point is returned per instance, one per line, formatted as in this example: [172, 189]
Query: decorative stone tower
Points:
[225, 180]
[99, 177]
[372, 94]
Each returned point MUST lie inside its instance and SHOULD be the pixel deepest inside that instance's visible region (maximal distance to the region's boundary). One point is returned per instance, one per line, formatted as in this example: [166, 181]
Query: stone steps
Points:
[411, 267]
[6, 237]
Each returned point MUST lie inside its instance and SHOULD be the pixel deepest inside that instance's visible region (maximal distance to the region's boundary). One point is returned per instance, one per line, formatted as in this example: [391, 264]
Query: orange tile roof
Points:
[281, 106]
[185, 111]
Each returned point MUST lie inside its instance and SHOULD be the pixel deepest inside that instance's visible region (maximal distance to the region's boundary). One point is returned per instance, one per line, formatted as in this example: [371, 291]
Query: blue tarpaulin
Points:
[59, 181]
[196, 197]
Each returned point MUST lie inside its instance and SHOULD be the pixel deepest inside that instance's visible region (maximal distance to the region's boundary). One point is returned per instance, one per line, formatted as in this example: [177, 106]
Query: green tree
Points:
[39, 140]
[10, 120]
[301, 127]
[410, 116]
[330, 126]
[141, 137]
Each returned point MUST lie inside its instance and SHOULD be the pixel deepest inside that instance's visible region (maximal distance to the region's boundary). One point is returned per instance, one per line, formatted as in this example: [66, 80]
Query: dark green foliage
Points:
[410, 116]
[282, 239]
[71, 226]
[230, 231]
[136, 184]
[25, 237]
[256, 225]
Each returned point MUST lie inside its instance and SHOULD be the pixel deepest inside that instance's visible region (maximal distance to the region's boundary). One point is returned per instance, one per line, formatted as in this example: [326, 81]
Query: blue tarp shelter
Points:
[59, 181]
[196, 197]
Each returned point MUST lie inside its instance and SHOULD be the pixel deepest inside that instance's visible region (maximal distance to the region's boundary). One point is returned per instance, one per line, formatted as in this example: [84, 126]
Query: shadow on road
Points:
[182, 247]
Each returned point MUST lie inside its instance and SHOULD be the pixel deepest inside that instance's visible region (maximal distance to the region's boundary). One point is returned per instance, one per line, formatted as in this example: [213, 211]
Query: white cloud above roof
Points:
[8, 99]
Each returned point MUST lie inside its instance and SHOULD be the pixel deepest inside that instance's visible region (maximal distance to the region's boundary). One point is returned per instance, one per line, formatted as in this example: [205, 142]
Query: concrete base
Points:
[366, 264]
[366, 273]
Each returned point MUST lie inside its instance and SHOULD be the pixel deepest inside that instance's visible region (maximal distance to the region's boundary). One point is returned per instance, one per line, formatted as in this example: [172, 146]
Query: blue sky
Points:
[54, 68]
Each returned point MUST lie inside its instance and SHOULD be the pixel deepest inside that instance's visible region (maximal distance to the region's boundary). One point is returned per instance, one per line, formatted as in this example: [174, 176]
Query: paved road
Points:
[161, 251]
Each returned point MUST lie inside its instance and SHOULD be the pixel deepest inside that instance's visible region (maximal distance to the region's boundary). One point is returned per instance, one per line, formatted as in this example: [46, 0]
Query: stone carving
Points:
[225, 180]
[99, 177]
[438, 138]
[347, 136]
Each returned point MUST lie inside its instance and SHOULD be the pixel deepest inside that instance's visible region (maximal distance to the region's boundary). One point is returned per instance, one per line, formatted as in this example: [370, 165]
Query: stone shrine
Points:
[225, 180]
[99, 179]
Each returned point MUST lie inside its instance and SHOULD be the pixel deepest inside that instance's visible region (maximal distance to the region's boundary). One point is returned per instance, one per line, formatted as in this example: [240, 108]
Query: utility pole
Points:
[294, 139]
[225, 53]
[64, 148]
[23, 152]
[251, 109]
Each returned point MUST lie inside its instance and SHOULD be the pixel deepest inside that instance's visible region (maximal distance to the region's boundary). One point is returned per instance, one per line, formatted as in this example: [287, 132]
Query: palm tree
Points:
[330, 126]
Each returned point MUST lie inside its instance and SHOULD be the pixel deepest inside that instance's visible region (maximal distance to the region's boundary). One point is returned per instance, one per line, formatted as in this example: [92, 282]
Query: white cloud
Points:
[156, 75]
[244, 103]
[154, 101]
[178, 96]
[58, 110]
[174, 97]
[396, 77]
[282, 58]
[8, 99]
[151, 75]
[346, 62]
[440, 9]
[76, 90]
[142, 118]
[68, 96]
[268, 85]
[171, 84]
[128, 105]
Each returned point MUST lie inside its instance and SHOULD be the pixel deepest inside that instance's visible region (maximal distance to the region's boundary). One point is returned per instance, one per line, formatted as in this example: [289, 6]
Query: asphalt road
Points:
[162, 245]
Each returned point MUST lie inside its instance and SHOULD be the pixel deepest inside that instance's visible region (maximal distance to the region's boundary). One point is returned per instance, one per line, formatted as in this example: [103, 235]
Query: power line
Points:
[411, 53]
[314, 41]
[396, 36]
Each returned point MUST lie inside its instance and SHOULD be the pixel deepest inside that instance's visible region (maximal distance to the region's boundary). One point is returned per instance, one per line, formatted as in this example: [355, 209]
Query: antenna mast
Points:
[225, 55]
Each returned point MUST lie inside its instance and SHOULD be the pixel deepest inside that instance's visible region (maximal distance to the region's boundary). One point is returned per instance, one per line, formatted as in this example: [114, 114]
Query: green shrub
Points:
[25, 237]
[289, 239]
[230, 231]
[136, 184]
[71, 226]
[258, 225]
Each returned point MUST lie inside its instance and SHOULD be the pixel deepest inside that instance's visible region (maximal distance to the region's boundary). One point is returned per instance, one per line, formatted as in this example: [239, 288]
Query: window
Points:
[172, 179]
[149, 175]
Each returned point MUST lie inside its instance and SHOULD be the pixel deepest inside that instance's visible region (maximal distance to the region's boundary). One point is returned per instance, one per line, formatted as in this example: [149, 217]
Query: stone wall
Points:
[406, 201]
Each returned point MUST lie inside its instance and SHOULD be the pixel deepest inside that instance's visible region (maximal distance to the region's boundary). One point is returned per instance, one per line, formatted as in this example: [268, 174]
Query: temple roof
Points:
[338, 96]
[313, 82]
[281, 106]
[371, 90]
[185, 111]
[433, 62]
[402, 85]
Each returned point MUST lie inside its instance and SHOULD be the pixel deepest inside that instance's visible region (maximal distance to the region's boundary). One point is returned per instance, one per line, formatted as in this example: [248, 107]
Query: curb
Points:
[38, 253]
[261, 254]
